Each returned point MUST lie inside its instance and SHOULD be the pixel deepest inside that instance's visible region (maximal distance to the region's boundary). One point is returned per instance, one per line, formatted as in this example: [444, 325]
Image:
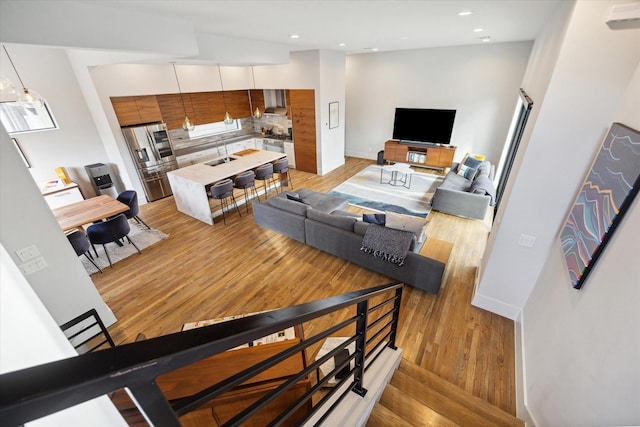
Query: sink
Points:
[219, 161]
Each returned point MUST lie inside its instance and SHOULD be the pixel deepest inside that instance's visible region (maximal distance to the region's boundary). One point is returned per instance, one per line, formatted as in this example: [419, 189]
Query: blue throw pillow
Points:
[379, 219]
[472, 162]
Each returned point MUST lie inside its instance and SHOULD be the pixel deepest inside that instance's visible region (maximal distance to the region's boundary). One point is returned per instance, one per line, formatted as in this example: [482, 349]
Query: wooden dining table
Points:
[88, 211]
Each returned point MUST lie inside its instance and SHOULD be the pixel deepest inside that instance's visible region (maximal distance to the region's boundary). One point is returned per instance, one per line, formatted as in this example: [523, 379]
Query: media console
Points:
[428, 156]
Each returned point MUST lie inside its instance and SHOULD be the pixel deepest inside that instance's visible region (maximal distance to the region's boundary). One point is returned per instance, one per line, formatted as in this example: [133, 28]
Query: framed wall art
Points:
[334, 115]
[604, 198]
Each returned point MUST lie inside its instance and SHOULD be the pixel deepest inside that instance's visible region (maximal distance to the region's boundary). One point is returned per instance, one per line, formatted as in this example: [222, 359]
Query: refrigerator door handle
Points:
[152, 144]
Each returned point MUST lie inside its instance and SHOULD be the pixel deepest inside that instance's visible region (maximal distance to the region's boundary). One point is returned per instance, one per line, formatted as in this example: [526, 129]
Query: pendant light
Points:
[257, 114]
[25, 95]
[227, 117]
[186, 125]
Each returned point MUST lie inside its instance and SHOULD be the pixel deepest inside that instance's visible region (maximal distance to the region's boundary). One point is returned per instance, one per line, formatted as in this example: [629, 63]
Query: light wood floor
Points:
[202, 272]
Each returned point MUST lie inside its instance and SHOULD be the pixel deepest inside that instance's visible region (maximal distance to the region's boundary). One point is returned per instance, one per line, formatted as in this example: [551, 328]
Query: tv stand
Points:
[422, 155]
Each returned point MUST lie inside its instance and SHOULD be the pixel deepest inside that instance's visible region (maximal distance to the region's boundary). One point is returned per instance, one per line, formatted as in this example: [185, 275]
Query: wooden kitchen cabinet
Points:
[438, 157]
[134, 110]
[208, 107]
[173, 111]
[237, 102]
[256, 96]
[303, 118]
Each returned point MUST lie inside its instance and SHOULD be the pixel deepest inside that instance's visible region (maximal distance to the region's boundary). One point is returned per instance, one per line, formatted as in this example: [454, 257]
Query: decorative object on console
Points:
[605, 196]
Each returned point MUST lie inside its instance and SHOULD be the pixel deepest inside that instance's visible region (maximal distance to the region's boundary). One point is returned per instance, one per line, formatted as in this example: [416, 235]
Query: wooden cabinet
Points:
[173, 111]
[256, 96]
[303, 117]
[134, 110]
[237, 102]
[438, 157]
[203, 107]
[208, 107]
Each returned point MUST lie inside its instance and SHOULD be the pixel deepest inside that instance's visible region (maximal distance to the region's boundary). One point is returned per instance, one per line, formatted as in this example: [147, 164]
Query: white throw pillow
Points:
[414, 224]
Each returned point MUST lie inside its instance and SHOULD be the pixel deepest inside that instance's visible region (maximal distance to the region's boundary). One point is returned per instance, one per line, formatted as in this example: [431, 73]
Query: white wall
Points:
[38, 340]
[480, 82]
[25, 219]
[578, 355]
[332, 89]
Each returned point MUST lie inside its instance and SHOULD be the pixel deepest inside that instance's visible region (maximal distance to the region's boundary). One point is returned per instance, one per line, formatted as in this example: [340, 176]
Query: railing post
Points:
[361, 332]
[396, 317]
[153, 405]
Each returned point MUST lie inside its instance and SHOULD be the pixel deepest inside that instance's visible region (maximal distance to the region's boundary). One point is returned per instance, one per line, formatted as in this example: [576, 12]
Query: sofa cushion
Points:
[360, 227]
[340, 221]
[413, 224]
[322, 201]
[467, 171]
[454, 181]
[295, 198]
[288, 205]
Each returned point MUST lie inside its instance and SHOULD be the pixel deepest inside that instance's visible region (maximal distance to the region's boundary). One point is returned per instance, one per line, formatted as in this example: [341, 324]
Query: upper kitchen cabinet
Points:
[134, 110]
[303, 118]
[237, 102]
[257, 99]
[173, 108]
[208, 106]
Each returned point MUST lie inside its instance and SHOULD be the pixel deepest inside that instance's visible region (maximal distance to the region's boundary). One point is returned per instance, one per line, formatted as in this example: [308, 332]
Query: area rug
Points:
[140, 235]
[365, 190]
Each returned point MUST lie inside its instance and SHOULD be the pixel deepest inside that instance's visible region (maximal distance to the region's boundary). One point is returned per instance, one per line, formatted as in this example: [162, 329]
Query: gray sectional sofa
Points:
[320, 221]
[470, 198]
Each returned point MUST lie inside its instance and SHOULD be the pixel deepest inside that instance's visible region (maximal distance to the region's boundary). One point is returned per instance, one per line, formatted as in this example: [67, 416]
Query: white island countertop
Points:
[189, 184]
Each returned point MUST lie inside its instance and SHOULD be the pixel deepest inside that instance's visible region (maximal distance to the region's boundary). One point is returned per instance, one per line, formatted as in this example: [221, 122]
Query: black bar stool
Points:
[264, 173]
[246, 181]
[223, 191]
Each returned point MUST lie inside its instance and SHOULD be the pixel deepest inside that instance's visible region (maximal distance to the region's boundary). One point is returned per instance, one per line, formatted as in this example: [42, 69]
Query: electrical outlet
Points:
[30, 252]
[32, 266]
[526, 241]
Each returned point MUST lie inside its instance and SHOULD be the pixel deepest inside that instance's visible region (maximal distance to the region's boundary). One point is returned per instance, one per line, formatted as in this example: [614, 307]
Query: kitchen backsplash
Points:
[180, 138]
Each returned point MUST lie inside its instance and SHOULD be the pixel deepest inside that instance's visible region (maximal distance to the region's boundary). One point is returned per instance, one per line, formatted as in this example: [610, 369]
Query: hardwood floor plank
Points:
[201, 272]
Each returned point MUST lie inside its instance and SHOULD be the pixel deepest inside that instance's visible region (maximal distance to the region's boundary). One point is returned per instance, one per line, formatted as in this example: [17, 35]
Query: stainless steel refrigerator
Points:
[153, 156]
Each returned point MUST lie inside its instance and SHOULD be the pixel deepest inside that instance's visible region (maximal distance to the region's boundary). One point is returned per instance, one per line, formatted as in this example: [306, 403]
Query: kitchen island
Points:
[191, 184]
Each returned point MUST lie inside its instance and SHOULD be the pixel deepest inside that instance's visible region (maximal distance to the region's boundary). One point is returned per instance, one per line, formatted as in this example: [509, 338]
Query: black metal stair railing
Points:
[35, 392]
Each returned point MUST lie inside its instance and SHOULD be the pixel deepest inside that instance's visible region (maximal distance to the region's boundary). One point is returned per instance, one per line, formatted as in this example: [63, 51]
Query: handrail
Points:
[38, 391]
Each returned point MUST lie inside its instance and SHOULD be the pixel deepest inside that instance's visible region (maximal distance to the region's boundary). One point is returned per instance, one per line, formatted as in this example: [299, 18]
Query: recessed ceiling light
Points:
[478, 30]
[294, 36]
[342, 44]
[485, 39]
[465, 13]
[374, 49]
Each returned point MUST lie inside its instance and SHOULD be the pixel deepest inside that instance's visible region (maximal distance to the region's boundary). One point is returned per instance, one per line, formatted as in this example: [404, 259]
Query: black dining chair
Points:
[110, 230]
[281, 167]
[130, 198]
[81, 245]
[246, 181]
[264, 173]
[223, 191]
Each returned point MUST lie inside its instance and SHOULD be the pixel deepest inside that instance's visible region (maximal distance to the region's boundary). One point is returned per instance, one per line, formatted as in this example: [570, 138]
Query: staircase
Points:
[417, 397]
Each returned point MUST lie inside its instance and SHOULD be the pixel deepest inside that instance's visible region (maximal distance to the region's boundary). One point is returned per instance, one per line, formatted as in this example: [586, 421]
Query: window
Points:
[19, 117]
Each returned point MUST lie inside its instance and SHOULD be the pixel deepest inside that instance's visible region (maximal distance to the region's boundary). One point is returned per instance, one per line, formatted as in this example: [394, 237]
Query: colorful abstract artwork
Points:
[605, 196]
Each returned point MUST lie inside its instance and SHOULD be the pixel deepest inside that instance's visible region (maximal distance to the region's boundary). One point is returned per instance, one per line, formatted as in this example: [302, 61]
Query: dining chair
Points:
[81, 244]
[264, 173]
[108, 231]
[281, 167]
[83, 330]
[130, 198]
[223, 191]
[246, 181]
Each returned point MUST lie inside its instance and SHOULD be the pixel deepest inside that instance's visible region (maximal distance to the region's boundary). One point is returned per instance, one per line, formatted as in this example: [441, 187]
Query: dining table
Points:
[88, 211]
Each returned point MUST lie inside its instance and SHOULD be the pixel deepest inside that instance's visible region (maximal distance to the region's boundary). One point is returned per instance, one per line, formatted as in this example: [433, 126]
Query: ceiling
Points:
[362, 25]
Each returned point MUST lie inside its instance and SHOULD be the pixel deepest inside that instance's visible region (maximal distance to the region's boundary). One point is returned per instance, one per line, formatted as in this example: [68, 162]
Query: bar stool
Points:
[281, 167]
[223, 191]
[246, 180]
[264, 173]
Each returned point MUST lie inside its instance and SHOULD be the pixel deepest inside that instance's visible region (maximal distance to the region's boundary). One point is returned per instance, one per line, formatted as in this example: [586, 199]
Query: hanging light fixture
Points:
[186, 125]
[25, 95]
[227, 117]
[257, 114]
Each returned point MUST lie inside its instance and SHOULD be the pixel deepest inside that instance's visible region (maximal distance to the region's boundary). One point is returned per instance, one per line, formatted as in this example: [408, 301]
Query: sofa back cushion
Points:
[289, 205]
[341, 221]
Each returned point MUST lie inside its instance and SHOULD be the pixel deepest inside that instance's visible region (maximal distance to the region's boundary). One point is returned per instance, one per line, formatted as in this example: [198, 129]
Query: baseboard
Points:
[361, 154]
[495, 306]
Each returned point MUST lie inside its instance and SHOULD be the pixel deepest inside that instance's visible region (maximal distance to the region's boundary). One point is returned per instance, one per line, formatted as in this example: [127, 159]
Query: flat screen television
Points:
[421, 125]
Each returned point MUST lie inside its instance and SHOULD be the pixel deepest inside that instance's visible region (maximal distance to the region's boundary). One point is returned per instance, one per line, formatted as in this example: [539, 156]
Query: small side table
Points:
[401, 174]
